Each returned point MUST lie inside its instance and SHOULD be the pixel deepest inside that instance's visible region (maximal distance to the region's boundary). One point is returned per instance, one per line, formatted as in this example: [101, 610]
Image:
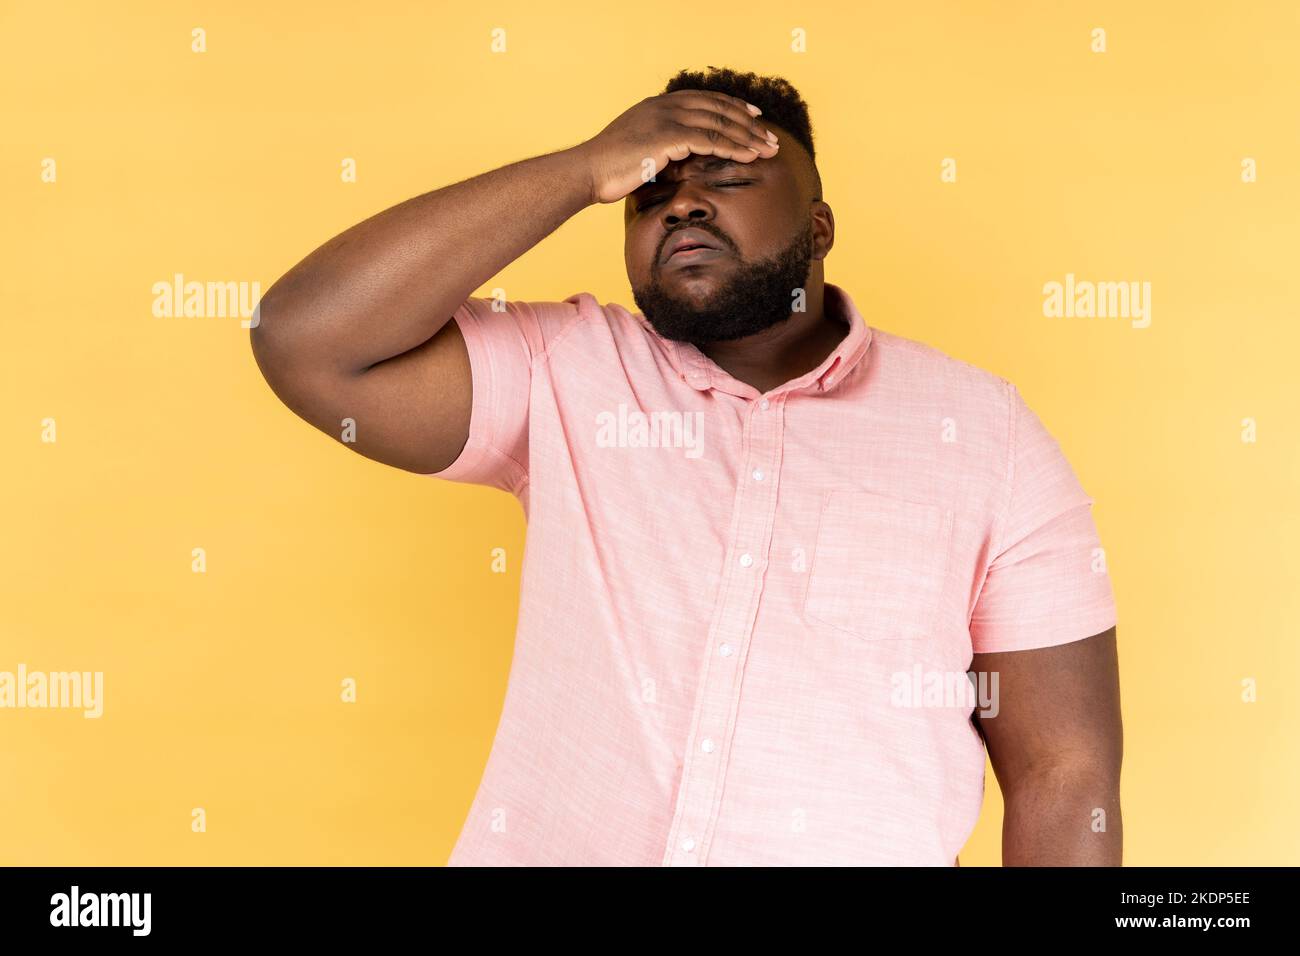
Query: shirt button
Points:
[707, 745]
[725, 650]
[763, 404]
[746, 560]
[688, 844]
[758, 474]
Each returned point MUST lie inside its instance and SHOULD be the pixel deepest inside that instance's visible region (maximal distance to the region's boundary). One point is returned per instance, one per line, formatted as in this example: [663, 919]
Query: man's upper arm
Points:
[1045, 620]
[1055, 708]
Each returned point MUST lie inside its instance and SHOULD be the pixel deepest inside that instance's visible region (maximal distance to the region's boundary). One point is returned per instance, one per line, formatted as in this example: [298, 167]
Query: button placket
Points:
[704, 764]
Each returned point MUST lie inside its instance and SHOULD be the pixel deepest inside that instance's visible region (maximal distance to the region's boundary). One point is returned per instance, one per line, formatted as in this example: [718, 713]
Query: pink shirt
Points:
[734, 606]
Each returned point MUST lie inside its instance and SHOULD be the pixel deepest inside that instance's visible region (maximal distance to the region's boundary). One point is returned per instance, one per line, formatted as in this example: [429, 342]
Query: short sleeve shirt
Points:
[738, 609]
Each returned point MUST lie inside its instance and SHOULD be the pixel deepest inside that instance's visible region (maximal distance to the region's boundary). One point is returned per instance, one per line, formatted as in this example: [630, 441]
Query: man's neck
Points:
[784, 351]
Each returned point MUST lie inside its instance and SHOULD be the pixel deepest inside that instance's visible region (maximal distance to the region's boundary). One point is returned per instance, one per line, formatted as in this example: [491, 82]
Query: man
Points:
[761, 531]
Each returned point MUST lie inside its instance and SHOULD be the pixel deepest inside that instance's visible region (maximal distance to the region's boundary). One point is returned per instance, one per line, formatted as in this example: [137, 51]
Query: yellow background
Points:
[223, 689]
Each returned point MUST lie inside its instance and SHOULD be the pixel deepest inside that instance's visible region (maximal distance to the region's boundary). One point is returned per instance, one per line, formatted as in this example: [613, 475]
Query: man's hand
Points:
[644, 139]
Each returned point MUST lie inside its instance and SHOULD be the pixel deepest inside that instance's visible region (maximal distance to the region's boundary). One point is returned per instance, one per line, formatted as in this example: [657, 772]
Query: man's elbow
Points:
[1065, 814]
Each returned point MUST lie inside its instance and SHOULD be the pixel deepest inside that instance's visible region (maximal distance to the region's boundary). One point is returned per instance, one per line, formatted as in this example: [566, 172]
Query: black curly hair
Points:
[780, 102]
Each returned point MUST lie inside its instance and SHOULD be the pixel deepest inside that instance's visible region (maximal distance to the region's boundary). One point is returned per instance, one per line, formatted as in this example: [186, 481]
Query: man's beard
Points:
[758, 296]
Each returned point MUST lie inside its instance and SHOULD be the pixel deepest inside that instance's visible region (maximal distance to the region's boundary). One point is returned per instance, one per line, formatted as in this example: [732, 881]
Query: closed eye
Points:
[641, 207]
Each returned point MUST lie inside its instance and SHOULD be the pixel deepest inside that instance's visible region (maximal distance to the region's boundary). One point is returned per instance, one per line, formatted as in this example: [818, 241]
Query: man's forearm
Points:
[388, 284]
[1065, 817]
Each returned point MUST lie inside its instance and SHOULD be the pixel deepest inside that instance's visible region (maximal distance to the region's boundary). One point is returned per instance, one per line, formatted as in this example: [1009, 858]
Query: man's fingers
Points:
[720, 136]
[730, 114]
[722, 130]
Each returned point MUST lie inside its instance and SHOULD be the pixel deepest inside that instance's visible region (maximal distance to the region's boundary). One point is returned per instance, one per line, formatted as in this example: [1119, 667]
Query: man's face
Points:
[756, 215]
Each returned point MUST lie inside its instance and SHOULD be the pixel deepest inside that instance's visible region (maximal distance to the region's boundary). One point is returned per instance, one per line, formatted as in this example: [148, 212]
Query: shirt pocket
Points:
[879, 565]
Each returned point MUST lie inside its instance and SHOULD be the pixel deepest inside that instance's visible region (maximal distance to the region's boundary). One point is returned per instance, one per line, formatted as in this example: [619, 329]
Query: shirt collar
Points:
[702, 373]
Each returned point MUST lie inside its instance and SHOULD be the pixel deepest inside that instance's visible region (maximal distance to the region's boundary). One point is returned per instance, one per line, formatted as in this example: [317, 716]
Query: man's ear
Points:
[823, 229]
